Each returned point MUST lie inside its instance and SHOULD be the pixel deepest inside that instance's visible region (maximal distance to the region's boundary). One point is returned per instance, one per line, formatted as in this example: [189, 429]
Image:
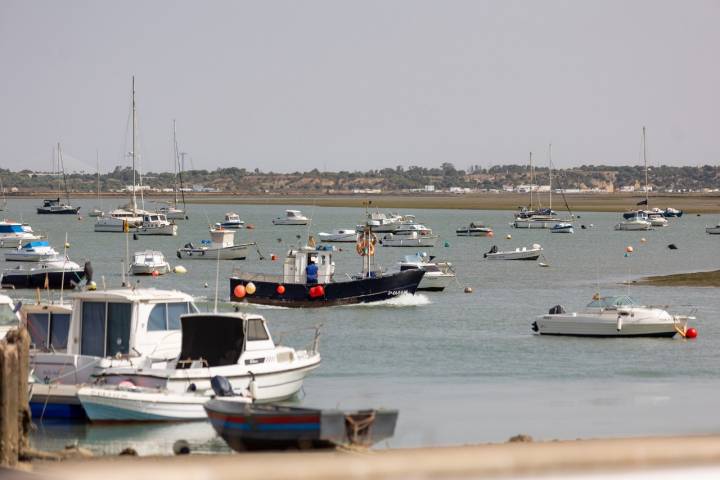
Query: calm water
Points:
[461, 368]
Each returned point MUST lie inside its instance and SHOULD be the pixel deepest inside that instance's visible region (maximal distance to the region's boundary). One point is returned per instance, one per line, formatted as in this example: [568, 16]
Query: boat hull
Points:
[434, 283]
[713, 230]
[149, 269]
[473, 233]
[55, 280]
[579, 327]
[237, 252]
[58, 211]
[297, 295]
[516, 255]
[169, 230]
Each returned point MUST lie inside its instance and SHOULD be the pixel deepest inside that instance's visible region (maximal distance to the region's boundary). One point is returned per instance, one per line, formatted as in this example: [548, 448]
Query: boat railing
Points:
[277, 278]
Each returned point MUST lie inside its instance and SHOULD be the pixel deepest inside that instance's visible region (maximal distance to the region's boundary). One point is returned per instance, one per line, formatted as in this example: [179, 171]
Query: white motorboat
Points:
[292, 217]
[713, 230]
[13, 234]
[562, 227]
[102, 329]
[119, 220]
[232, 220]
[409, 239]
[615, 316]
[524, 253]
[383, 223]
[96, 212]
[128, 403]
[236, 346]
[148, 262]
[342, 235]
[51, 274]
[474, 230]
[9, 315]
[657, 220]
[156, 224]
[438, 275]
[536, 221]
[221, 244]
[37, 251]
[172, 213]
[672, 212]
[635, 223]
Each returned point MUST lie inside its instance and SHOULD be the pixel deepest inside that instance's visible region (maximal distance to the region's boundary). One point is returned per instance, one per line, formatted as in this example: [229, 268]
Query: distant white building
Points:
[627, 188]
[429, 188]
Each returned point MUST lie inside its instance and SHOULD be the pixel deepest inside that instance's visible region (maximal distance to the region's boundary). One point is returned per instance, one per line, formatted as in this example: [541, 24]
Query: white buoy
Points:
[619, 323]
[508, 236]
[468, 290]
[180, 269]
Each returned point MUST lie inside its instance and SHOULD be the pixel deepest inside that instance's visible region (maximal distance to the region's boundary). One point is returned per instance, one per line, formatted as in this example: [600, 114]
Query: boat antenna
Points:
[134, 121]
[217, 280]
[97, 167]
[62, 276]
[647, 202]
[550, 172]
[531, 182]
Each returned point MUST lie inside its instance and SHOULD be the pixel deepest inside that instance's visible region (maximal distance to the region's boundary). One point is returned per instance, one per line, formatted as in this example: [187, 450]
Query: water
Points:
[461, 368]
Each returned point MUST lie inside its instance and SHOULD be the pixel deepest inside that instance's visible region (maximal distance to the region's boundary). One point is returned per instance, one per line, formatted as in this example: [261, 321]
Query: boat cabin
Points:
[221, 238]
[613, 303]
[217, 340]
[48, 325]
[297, 259]
[149, 257]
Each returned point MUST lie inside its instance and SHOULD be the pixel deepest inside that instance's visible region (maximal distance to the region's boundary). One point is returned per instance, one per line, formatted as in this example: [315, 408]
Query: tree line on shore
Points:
[233, 179]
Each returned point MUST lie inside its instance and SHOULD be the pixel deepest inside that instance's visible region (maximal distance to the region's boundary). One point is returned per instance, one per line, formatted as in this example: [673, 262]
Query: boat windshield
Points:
[613, 302]
[7, 315]
[214, 340]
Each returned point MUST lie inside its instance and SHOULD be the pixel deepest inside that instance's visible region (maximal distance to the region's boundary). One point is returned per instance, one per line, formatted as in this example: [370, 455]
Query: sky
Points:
[356, 85]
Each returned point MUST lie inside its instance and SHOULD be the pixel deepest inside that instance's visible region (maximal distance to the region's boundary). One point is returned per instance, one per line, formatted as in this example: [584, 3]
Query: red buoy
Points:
[239, 291]
[273, 257]
[320, 290]
[691, 333]
[155, 273]
[280, 289]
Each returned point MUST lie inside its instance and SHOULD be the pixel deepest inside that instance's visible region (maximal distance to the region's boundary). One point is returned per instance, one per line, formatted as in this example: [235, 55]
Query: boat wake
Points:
[403, 300]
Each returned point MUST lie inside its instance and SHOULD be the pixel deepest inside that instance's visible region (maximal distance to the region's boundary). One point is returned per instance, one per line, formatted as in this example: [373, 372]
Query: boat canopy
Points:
[38, 243]
[10, 228]
[613, 302]
[216, 340]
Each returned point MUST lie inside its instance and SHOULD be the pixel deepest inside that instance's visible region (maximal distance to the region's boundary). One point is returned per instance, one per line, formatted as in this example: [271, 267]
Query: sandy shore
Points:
[695, 279]
[614, 457]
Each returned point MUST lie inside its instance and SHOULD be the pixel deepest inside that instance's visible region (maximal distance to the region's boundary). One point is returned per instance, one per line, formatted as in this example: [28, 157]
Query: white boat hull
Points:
[434, 282]
[13, 241]
[473, 233]
[289, 222]
[29, 257]
[589, 326]
[529, 254]
[534, 224]
[713, 230]
[338, 238]
[136, 269]
[170, 230]
[633, 226]
[236, 252]
[420, 241]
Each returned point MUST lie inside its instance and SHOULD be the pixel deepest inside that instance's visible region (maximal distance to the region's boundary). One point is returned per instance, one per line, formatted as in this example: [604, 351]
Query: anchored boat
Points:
[524, 253]
[221, 245]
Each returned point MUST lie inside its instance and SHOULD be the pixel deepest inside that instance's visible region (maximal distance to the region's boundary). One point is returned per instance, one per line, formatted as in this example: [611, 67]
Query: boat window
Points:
[192, 308]
[174, 312]
[256, 330]
[157, 320]
[37, 324]
[59, 330]
[118, 328]
[431, 268]
[93, 329]
[7, 316]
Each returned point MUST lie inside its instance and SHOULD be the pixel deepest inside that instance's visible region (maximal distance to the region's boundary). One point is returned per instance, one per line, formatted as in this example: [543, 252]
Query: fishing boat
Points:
[248, 427]
[53, 205]
[236, 346]
[149, 262]
[341, 235]
[221, 245]
[409, 239]
[475, 229]
[292, 288]
[522, 253]
[613, 316]
[232, 220]
[156, 224]
[106, 328]
[638, 222]
[562, 227]
[9, 315]
[50, 274]
[438, 275]
[292, 217]
[36, 251]
[13, 234]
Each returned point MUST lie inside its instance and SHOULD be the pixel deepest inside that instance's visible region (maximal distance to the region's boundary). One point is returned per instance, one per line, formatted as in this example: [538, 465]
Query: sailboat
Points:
[53, 205]
[3, 206]
[96, 212]
[124, 219]
[172, 212]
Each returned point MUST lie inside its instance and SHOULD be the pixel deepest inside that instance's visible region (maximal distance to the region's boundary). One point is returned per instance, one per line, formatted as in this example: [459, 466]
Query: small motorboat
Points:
[120, 220]
[95, 212]
[409, 238]
[638, 222]
[9, 315]
[437, 275]
[474, 230]
[524, 253]
[54, 206]
[36, 251]
[232, 220]
[342, 235]
[615, 316]
[148, 262]
[672, 212]
[562, 228]
[156, 224]
[53, 274]
[275, 427]
[13, 234]
[713, 230]
[292, 217]
[173, 213]
[221, 245]
[657, 220]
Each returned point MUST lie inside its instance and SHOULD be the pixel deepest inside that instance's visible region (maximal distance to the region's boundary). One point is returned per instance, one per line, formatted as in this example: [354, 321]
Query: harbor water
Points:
[461, 368]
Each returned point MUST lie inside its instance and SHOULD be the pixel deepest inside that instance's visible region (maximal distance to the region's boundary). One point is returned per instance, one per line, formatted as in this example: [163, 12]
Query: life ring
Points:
[365, 247]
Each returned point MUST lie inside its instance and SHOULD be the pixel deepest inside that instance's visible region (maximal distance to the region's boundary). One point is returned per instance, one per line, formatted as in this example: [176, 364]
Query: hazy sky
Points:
[296, 85]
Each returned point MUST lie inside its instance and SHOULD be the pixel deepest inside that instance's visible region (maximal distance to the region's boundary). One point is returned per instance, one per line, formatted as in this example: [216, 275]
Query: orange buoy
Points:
[691, 333]
[273, 257]
[239, 291]
[250, 288]
[280, 289]
[155, 273]
[629, 249]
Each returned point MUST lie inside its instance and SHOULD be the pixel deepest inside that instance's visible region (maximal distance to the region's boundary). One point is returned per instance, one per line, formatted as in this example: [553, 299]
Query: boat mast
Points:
[531, 182]
[175, 166]
[550, 172]
[97, 167]
[647, 203]
[134, 200]
[61, 167]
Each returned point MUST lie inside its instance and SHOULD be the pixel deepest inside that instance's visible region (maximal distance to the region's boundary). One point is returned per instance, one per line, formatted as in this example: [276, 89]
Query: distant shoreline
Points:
[598, 202]
[694, 279]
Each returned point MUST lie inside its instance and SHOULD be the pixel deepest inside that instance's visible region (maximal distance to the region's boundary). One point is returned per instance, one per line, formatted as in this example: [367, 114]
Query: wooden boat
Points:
[275, 427]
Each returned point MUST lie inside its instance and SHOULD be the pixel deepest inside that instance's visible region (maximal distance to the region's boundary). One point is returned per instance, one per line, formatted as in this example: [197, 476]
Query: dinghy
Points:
[524, 253]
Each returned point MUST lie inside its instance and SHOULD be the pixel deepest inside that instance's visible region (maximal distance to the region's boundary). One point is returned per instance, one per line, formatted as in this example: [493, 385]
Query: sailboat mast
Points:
[550, 171]
[175, 166]
[531, 182]
[134, 200]
[647, 203]
[97, 167]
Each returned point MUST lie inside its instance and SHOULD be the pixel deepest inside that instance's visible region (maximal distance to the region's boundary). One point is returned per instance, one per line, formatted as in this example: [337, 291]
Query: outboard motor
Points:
[88, 270]
[493, 249]
[221, 386]
[556, 310]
